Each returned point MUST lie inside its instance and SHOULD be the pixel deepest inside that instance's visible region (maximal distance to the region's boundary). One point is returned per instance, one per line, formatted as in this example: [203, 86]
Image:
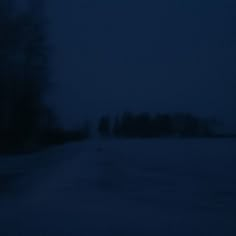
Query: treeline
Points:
[145, 125]
[27, 123]
[57, 135]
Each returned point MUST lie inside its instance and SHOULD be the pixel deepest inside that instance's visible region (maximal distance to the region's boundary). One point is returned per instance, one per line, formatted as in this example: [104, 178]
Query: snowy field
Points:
[122, 187]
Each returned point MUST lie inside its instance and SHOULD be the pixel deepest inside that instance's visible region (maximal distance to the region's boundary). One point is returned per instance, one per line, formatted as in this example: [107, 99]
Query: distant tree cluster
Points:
[145, 125]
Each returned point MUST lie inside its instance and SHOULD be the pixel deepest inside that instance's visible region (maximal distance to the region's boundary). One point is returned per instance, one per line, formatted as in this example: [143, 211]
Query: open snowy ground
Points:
[123, 187]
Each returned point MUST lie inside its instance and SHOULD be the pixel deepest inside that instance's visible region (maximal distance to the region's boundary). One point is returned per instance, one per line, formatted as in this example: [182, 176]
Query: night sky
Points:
[132, 55]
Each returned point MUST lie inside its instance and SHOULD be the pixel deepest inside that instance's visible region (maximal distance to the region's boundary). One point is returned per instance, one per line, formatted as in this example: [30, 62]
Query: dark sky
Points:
[149, 55]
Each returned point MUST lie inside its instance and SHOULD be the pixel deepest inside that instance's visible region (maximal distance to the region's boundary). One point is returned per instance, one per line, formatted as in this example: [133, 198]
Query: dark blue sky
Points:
[148, 55]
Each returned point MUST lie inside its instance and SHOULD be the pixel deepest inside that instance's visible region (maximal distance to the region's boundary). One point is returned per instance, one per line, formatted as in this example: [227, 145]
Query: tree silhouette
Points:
[162, 125]
[116, 127]
[104, 126]
[23, 74]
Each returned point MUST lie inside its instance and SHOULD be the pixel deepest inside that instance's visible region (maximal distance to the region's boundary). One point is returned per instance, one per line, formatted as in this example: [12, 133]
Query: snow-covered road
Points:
[125, 187]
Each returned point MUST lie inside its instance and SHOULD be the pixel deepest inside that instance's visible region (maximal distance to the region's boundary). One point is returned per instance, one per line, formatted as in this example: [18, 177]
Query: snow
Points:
[123, 187]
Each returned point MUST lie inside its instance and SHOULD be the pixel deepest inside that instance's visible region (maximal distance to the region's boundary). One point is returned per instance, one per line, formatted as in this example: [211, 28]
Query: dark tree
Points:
[116, 127]
[142, 123]
[23, 74]
[191, 125]
[104, 126]
[164, 124]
